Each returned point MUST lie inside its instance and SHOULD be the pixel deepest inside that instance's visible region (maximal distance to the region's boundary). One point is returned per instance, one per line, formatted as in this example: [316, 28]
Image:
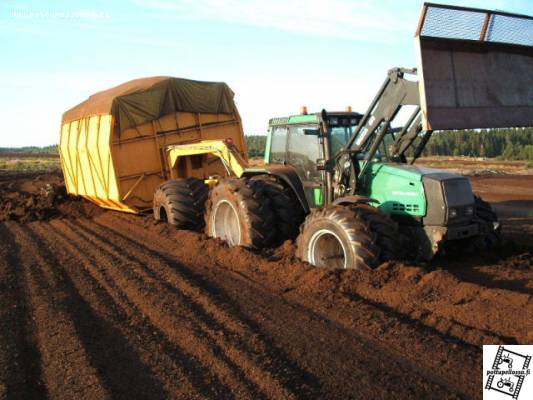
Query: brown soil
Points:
[111, 305]
[31, 196]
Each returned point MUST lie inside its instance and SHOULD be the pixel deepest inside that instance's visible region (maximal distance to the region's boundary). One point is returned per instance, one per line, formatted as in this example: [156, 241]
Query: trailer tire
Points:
[181, 202]
[288, 212]
[239, 214]
[337, 237]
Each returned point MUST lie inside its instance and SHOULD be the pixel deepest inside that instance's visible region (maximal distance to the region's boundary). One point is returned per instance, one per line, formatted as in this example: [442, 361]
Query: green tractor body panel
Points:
[398, 189]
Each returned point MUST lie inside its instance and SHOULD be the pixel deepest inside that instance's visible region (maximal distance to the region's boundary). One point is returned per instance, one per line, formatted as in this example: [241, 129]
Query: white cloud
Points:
[356, 20]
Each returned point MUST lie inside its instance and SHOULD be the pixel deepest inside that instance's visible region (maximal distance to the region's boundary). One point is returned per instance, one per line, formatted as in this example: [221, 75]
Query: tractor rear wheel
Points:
[239, 214]
[181, 202]
[354, 236]
[287, 209]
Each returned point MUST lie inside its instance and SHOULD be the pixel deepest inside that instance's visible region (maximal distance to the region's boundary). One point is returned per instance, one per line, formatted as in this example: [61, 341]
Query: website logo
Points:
[506, 377]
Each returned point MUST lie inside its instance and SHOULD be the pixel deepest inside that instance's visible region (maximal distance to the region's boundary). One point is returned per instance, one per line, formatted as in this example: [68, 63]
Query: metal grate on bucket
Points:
[472, 24]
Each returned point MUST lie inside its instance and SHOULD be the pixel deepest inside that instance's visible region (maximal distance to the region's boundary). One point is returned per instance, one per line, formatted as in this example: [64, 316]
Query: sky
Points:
[276, 55]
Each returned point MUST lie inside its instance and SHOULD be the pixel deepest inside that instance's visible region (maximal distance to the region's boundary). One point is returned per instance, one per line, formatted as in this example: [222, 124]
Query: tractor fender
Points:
[288, 176]
[354, 199]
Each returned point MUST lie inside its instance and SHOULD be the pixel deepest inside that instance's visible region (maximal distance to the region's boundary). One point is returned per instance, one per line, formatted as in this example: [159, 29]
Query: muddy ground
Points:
[99, 304]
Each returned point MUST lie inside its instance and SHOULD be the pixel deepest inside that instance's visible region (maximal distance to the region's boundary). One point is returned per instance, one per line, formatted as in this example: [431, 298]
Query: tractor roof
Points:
[311, 118]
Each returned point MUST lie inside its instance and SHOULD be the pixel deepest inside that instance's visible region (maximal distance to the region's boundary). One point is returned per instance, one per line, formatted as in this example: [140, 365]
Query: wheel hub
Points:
[326, 250]
[226, 224]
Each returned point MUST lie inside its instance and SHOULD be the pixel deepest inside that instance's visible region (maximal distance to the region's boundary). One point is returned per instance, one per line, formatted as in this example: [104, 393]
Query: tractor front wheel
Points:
[356, 236]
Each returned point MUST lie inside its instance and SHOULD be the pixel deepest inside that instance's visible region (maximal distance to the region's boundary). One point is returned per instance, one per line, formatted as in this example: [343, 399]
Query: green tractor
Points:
[365, 201]
[345, 186]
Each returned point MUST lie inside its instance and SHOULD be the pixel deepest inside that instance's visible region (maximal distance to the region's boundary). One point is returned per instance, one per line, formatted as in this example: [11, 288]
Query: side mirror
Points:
[314, 132]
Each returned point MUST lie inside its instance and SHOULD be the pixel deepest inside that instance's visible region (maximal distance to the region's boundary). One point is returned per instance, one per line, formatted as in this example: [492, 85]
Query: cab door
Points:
[302, 153]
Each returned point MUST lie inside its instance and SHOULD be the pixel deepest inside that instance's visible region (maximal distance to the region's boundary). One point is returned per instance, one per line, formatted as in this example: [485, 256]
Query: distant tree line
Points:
[256, 145]
[52, 149]
[507, 144]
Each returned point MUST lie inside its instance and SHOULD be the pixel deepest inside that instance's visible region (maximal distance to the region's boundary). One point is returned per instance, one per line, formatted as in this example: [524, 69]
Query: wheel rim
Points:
[326, 250]
[226, 224]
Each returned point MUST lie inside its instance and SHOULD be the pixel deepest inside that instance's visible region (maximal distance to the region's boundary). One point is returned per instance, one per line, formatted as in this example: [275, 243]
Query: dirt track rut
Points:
[115, 307]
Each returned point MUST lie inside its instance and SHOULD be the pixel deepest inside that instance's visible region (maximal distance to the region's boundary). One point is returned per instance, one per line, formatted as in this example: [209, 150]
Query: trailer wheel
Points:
[287, 209]
[239, 214]
[181, 202]
[338, 237]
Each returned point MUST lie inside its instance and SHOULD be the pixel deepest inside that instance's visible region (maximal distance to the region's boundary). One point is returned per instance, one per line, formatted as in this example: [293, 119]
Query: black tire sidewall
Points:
[183, 200]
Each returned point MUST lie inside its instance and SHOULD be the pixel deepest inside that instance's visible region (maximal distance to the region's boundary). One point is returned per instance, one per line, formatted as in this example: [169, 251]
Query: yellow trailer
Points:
[121, 144]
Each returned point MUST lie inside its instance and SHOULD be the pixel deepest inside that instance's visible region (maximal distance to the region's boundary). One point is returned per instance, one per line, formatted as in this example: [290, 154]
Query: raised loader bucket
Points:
[475, 68]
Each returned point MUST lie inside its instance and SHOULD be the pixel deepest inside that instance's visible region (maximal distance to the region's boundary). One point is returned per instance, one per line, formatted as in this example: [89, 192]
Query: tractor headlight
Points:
[452, 213]
[469, 211]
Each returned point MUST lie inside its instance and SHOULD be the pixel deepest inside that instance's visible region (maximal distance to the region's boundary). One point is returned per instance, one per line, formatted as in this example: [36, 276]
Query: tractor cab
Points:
[298, 140]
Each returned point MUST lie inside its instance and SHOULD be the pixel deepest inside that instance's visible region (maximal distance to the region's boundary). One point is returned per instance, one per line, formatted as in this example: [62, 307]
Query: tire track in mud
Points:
[20, 360]
[57, 339]
[408, 342]
[182, 376]
[468, 313]
[122, 277]
[222, 345]
[121, 370]
[153, 248]
[449, 318]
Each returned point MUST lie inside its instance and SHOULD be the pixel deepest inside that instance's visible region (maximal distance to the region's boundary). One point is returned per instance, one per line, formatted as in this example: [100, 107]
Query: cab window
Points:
[278, 146]
[303, 151]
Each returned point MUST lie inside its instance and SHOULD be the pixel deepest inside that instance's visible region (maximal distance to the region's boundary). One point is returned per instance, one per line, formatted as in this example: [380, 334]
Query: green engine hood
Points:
[398, 187]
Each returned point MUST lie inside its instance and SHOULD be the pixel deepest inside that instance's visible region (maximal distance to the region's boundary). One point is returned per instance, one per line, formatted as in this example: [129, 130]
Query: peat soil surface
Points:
[98, 304]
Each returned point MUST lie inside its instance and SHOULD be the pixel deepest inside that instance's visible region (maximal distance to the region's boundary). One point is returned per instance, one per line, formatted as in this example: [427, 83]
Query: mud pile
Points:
[27, 197]
[468, 299]
[23, 206]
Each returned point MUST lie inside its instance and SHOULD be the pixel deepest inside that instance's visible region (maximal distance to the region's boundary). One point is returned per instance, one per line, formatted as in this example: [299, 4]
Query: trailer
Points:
[120, 145]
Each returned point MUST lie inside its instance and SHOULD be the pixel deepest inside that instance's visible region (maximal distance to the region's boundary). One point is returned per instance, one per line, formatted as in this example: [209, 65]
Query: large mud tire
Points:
[346, 237]
[388, 238]
[287, 209]
[181, 202]
[240, 214]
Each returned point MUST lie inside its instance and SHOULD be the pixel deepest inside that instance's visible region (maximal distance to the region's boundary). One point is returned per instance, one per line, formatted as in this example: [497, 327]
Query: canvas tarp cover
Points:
[142, 100]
